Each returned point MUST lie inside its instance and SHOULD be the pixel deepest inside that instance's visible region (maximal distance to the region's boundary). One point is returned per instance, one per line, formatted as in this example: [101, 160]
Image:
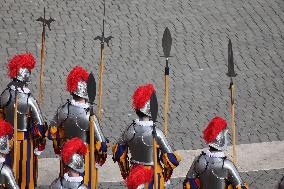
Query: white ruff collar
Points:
[144, 123]
[25, 89]
[2, 160]
[215, 154]
[73, 179]
[79, 104]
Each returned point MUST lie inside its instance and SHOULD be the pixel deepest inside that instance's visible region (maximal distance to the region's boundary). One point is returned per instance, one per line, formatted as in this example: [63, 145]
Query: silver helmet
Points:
[221, 141]
[24, 75]
[4, 145]
[76, 163]
[82, 90]
[146, 109]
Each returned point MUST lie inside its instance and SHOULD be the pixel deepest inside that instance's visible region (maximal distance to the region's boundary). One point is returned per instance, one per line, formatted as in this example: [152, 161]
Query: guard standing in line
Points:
[212, 169]
[30, 126]
[72, 155]
[72, 120]
[138, 139]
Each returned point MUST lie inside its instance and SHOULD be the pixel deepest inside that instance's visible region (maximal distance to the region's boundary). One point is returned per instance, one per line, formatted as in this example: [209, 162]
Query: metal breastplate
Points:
[75, 121]
[139, 139]
[7, 103]
[211, 172]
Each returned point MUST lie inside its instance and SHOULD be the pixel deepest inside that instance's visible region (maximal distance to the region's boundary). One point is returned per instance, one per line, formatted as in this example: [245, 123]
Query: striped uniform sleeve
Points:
[101, 151]
[170, 161]
[191, 183]
[120, 155]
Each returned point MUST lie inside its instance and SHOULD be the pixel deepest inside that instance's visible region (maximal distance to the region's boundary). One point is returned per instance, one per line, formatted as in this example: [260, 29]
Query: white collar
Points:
[73, 179]
[25, 89]
[2, 159]
[144, 123]
[79, 104]
[218, 154]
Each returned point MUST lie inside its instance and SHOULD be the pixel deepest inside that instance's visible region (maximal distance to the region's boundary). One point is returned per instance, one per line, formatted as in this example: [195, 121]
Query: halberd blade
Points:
[91, 88]
[231, 71]
[154, 107]
[167, 42]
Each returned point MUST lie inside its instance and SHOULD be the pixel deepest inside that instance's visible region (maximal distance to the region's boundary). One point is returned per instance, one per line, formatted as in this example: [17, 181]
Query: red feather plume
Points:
[5, 128]
[138, 175]
[19, 61]
[75, 145]
[215, 126]
[141, 96]
[77, 74]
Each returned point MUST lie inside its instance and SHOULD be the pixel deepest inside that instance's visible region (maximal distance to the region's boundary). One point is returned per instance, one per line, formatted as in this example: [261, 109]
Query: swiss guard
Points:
[138, 139]
[29, 127]
[211, 169]
[7, 179]
[72, 120]
[72, 155]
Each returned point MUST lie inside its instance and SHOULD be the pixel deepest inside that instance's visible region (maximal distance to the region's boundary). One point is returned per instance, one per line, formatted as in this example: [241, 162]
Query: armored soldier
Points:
[139, 140]
[30, 125]
[212, 169]
[7, 179]
[72, 120]
[72, 155]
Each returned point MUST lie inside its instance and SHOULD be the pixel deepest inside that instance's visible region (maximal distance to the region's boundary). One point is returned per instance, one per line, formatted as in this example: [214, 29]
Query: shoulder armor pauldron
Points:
[129, 133]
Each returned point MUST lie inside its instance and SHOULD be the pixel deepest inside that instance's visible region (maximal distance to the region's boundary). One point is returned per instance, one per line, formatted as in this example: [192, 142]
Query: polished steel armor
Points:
[4, 145]
[138, 136]
[146, 109]
[82, 90]
[61, 183]
[24, 75]
[213, 171]
[76, 163]
[27, 108]
[74, 118]
[221, 141]
[7, 177]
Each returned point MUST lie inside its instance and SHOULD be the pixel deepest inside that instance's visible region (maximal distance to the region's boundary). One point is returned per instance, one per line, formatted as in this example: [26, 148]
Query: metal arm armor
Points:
[7, 178]
[162, 142]
[36, 112]
[234, 177]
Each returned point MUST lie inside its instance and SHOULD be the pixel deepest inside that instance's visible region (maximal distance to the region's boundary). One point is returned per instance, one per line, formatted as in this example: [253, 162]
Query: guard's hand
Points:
[37, 152]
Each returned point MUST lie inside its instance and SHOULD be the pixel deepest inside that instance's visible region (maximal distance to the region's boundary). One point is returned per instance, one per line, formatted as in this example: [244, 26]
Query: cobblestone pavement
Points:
[255, 180]
[198, 84]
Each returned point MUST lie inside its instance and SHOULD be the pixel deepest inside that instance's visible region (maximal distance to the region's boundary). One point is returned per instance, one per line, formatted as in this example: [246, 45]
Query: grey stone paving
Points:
[255, 180]
[198, 84]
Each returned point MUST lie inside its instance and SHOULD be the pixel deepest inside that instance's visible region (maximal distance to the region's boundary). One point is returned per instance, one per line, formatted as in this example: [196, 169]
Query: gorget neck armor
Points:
[67, 182]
